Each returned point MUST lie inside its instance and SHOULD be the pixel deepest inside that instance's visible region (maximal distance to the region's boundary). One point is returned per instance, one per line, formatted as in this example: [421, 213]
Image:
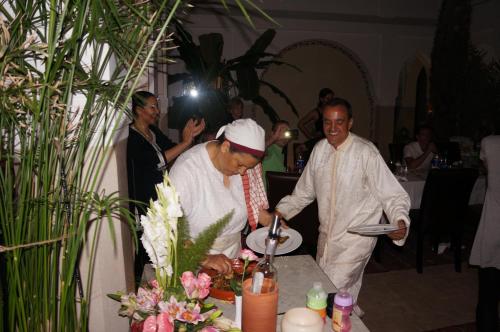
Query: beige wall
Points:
[113, 264]
[322, 64]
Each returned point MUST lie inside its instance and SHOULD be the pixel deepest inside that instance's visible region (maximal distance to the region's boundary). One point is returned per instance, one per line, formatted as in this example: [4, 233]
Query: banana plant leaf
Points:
[209, 105]
[211, 73]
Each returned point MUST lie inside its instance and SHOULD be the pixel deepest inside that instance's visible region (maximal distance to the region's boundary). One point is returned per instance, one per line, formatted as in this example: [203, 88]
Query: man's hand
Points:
[400, 233]
[432, 148]
[219, 262]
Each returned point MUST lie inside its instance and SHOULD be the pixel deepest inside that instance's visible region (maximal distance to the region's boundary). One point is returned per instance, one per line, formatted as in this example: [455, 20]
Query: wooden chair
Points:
[443, 208]
[396, 151]
[306, 222]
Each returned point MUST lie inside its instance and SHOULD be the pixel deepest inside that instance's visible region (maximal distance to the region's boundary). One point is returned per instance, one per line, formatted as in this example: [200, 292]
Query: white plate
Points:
[373, 229]
[257, 240]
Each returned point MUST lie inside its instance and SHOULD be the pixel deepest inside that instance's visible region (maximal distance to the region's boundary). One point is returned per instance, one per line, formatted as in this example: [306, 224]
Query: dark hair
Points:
[423, 127]
[232, 148]
[340, 102]
[324, 92]
[275, 125]
[139, 99]
[233, 102]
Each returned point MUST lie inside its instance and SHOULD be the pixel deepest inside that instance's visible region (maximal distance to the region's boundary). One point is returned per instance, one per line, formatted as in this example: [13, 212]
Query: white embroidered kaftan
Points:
[205, 199]
[363, 187]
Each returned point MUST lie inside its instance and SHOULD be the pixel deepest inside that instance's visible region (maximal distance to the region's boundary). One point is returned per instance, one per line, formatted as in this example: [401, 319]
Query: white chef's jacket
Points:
[205, 199]
[363, 188]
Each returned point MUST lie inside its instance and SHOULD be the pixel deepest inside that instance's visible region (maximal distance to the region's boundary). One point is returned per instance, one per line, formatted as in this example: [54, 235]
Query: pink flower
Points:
[209, 329]
[174, 308]
[146, 300]
[204, 282]
[160, 323]
[196, 287]
[192, 314]
[248, 255]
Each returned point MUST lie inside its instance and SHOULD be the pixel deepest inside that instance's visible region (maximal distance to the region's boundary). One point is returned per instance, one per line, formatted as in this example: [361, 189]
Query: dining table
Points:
[413, 183]
[296, 275]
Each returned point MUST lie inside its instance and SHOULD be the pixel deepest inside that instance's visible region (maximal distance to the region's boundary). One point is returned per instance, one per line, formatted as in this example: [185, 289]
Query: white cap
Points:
[245, 135]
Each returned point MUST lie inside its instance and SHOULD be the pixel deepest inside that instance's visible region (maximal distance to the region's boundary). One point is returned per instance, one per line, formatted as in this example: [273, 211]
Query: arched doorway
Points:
[322, 63]
[412, 106]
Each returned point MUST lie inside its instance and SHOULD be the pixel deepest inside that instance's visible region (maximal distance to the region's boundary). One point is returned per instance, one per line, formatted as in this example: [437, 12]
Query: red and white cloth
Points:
[255, 194]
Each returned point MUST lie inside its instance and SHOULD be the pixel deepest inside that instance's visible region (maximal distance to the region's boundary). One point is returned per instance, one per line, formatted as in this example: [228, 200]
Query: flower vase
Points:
[238, 305]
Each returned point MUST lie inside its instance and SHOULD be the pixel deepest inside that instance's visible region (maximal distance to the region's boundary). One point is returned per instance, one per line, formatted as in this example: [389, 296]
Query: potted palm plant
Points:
[216, 78]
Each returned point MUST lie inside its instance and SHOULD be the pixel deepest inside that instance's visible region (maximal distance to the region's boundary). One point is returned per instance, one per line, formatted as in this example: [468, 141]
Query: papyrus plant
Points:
[67, 70]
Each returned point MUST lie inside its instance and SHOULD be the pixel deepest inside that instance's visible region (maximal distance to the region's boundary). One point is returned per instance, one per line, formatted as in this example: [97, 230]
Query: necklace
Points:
[146, 133]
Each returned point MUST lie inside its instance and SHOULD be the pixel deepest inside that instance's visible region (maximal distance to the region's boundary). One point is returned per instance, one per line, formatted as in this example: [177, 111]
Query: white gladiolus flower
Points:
[160, 230]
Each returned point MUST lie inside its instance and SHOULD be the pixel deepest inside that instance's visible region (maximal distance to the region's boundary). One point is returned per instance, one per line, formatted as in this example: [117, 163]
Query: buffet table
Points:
[296, 275]
[415, 183]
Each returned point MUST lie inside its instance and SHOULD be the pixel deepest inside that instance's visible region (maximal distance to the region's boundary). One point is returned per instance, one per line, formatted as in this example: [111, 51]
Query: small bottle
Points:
[316, 299]
[435, 161]
[343, 303]
[300, 163]
[265, 274]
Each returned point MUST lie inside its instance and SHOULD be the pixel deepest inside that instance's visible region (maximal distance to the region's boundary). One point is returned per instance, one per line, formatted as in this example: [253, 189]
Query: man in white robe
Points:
[353, 185]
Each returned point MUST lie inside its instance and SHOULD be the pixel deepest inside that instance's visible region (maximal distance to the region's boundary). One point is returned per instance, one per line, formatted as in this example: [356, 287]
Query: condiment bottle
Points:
[316, 299]
[343, 303]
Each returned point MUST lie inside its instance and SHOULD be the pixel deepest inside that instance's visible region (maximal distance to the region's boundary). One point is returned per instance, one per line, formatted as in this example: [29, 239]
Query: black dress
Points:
[145, 167]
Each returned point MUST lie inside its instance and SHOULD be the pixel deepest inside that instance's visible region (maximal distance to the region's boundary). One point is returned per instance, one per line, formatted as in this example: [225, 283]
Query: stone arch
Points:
[354, 83]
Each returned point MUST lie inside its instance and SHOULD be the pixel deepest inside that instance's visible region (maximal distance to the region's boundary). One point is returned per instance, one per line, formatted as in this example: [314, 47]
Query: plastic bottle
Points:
[316, 299]
[343, 303]
[435, 161]
[300, 163]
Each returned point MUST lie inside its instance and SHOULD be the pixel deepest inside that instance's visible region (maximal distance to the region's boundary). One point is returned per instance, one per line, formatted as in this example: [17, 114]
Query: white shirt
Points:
[364, 187]
[413, 150]
[205, 199]
[486, 248]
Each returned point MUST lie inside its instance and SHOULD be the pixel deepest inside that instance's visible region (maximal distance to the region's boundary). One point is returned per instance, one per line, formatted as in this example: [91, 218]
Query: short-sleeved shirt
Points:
[274, 160]
[146, 164]
[413, 150]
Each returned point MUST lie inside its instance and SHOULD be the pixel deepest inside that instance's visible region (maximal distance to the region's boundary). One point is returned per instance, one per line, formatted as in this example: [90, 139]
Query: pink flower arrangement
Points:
[151, 313]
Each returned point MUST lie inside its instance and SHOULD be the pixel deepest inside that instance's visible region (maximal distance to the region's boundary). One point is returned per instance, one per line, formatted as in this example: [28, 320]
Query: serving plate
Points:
[257, 240]
[370, 230]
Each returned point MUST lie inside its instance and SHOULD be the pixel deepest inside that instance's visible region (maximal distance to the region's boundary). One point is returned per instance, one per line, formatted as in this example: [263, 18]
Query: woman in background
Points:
[148, 153]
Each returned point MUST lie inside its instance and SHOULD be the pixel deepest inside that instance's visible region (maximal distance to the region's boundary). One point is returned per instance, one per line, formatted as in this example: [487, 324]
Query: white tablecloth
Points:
[415, 188]
[296, 275]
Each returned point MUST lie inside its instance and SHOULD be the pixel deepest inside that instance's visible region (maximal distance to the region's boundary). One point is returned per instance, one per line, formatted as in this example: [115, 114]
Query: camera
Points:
[292, 134]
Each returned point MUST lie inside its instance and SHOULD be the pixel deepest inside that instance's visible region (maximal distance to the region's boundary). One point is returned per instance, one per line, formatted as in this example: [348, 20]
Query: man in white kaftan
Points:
[353, 185]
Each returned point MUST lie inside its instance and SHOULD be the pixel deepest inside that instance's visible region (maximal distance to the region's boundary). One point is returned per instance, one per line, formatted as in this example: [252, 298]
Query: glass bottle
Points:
[265, 274]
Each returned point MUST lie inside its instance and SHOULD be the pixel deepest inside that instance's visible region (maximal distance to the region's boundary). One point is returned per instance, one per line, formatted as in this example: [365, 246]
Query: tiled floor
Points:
[396, 298]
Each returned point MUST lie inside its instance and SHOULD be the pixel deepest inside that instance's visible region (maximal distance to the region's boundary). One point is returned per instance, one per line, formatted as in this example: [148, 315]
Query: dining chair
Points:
[443, 208]
[396, 151]
[306, 222]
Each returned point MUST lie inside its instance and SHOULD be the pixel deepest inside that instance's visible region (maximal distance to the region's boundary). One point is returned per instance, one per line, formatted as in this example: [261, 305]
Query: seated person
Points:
[211, 179]
[418, 155]
[275, 159]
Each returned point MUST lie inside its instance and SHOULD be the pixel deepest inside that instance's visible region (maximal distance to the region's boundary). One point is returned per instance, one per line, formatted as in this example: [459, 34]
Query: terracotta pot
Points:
[259, 310]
